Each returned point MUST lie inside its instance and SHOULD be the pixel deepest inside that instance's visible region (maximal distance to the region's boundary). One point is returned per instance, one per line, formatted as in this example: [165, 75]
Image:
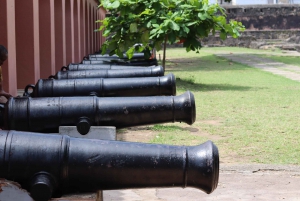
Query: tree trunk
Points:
[164, 54]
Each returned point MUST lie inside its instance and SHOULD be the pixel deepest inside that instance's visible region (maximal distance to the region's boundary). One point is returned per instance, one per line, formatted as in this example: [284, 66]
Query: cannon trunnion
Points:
[102, 87]
[47, 164]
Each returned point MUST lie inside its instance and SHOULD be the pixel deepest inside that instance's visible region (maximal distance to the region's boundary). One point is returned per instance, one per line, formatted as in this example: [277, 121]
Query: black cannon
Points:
[47, 114]
[149, 62]
[102, 87]
[135, 56]
[51, 164]
[123, 73]
[76, 67]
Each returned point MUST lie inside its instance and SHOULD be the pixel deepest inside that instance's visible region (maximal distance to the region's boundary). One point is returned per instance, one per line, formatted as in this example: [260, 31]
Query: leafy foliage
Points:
[153, 22]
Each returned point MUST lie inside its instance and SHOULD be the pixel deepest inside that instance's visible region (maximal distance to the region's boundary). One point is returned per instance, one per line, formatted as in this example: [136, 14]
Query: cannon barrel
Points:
[133, 60]
[103, 87]
[149, 62]
[122, 73]
[47, 114]
[135, 56]
[45, 164]
[76, 67]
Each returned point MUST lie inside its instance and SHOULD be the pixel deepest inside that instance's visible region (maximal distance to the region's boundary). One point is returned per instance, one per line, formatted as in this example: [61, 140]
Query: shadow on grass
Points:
[204, 63]
[188, 85]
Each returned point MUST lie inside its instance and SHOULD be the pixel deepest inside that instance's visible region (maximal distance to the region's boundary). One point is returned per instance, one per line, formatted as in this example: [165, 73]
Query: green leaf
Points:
[149, 24]
[106, 32]
[112, 45]
[186, 29]
[147, 12]
[172, 37]
[147, 53]
[113, 5]
[201, 31]
[119, 53]
[223, 35]
[103, 48]
[122, 47]
[153, 31]
[157, 45]
[145, 37]
[174, 26]
[130, 52]
[133, 28]
[202, 16]
[141, 48]
[191, 23]
[186, 6]
[165, 2]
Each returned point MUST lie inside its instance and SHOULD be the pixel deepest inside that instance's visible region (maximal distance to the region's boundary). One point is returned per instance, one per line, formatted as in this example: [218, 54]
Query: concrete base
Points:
[96, 132]
[12, 191]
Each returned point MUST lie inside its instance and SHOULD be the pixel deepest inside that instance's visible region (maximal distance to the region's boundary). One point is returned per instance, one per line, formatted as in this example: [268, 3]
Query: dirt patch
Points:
[136, 134]
[198, 132]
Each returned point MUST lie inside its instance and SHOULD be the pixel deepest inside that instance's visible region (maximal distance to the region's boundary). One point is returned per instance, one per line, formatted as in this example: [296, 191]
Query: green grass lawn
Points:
[251, 115]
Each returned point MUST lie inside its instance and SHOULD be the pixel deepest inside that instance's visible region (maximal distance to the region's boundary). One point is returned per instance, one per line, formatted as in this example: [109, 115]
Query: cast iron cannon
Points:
[135, 56]
[49, 165]
[122, 73]
[47, 114]
[102, 87]
[76, 67]
[149, 62]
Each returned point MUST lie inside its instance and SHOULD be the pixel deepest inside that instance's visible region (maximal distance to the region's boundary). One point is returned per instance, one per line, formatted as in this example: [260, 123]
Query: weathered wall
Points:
[266, 25]
[266, 17]
[42, 36]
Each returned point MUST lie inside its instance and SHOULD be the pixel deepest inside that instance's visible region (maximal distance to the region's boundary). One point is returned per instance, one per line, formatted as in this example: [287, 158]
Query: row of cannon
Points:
[107, 93]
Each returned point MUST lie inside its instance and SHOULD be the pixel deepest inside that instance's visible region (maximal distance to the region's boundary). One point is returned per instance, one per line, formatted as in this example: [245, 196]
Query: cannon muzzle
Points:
[47, 114]
[46, 164]
[104, 87]
[121, 73]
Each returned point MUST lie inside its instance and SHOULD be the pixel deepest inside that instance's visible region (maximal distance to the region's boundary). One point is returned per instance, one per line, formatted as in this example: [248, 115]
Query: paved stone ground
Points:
[236, 182]
[278, 68]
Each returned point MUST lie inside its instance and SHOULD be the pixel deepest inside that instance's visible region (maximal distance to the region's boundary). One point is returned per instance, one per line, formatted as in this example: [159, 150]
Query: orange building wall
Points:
[42, 36]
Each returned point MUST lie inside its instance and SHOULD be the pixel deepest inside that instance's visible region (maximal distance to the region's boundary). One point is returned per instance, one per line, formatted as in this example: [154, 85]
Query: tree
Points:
[155, 22]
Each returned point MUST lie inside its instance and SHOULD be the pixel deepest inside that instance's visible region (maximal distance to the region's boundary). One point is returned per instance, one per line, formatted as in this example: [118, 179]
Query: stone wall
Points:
[266, 25]
[266, 17]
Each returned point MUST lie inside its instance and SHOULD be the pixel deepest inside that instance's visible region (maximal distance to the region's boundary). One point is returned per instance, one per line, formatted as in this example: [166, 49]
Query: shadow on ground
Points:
[186, 84]
[203, 63]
